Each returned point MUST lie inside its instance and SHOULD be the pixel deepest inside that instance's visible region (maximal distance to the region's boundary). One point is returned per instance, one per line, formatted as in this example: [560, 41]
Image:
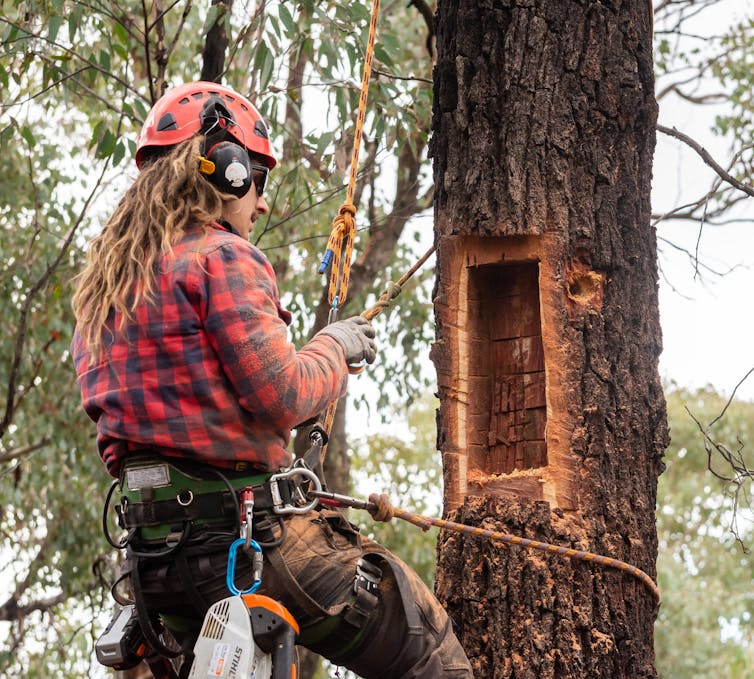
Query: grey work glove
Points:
[356, 336]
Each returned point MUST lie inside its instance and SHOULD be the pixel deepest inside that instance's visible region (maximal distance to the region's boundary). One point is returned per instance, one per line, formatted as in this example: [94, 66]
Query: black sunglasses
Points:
[259, 177]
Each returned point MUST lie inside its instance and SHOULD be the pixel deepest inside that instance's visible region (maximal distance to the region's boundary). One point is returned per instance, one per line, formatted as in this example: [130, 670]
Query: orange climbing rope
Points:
[344, 225]
[339, 250]
[381, 509]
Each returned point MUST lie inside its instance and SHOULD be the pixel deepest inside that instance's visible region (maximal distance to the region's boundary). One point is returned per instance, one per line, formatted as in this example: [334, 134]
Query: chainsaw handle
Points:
[284, 655]
[274, 630]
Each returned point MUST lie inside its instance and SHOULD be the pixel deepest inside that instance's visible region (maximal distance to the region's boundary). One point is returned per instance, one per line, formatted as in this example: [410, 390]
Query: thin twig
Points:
[732, 396]
[707, 158]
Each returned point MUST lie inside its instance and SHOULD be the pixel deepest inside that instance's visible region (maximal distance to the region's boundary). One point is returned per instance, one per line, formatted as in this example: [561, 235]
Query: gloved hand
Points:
[356, 336]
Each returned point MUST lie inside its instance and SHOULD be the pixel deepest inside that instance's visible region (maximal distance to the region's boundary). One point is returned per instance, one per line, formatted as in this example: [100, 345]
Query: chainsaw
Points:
[250, 636]
[247, 635]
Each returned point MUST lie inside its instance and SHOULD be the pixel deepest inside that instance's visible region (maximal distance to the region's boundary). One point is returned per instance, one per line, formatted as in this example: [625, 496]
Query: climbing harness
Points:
[381, 510]
[162, 503]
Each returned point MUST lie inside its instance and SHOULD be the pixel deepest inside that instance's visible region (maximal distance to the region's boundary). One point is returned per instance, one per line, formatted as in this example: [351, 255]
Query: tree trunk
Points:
[552, 419]
[216, 43]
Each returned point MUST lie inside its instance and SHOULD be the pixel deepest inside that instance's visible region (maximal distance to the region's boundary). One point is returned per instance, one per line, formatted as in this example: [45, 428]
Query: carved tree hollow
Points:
[506, 331]
[505, 421]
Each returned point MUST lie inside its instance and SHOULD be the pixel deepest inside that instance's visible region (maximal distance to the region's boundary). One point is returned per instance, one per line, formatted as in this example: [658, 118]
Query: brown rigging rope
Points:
[381, 509]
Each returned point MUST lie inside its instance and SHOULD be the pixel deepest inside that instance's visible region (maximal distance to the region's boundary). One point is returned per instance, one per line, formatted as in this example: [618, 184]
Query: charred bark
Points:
[552, 419]
[216, 43]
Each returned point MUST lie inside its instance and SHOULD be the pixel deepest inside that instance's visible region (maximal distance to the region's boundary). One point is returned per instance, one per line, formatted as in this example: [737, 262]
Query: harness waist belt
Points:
[159, 493]
[189, 507]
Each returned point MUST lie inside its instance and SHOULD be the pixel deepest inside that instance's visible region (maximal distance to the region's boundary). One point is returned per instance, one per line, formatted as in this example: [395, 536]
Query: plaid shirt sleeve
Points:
[280, 386]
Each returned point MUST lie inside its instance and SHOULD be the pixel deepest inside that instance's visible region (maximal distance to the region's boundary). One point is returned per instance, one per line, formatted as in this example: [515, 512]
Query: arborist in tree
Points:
[184, 363]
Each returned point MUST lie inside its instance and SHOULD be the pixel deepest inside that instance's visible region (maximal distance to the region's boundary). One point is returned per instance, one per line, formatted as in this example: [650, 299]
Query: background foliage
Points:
[705, 627]
[77, 79]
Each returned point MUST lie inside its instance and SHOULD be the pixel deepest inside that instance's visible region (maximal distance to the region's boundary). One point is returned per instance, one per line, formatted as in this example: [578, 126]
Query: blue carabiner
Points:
[230, 576]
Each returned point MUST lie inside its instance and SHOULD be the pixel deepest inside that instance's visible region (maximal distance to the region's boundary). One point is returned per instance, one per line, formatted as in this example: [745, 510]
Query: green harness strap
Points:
[154, 480]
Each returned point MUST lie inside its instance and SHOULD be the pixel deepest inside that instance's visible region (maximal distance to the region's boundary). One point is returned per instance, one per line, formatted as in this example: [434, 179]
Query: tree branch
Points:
[429, 18]
[147, 57]
[707, 158]
[11, 610]
[73, 53]
[740, 475]
[178, 31]
[34, 290]
[297, 61]
[160, 51]
[23, 451]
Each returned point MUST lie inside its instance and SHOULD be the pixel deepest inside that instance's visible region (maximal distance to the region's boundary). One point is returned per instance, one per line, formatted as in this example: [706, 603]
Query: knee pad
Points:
[342, 636]
[412, 636]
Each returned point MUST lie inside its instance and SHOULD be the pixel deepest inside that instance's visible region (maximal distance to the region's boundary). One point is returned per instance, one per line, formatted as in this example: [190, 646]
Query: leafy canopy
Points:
[77, 79]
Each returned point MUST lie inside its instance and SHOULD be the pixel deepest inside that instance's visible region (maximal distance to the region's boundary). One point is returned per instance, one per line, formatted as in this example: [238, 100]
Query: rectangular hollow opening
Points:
[506, 364]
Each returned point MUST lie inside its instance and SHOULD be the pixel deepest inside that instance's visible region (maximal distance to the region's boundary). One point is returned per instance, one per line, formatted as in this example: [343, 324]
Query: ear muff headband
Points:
[228, 167]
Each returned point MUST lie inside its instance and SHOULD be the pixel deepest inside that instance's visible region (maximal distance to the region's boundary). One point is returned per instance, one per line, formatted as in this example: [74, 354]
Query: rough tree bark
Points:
[216, 43]
[552, 420]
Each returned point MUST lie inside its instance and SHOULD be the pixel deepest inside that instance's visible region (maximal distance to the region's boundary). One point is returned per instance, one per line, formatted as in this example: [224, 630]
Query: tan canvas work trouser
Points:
[398, 630]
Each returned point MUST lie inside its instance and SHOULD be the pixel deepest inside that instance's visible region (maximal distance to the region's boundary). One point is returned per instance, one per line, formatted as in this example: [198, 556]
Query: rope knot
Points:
[347, 208]
[384, 510]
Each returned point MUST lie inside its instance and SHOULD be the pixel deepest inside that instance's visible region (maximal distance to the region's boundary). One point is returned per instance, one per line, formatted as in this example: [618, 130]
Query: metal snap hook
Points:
[281, 507]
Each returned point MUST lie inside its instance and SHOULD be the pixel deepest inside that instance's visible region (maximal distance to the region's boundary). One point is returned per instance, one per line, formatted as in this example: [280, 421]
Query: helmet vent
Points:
[167, 122]
[215, 114]
[260, 129]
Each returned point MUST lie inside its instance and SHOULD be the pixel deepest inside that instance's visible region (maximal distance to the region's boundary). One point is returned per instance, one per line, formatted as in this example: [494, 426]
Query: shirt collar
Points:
[226, 226]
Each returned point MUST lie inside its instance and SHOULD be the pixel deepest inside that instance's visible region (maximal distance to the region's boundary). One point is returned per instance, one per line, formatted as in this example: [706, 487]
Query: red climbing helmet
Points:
[207, 108]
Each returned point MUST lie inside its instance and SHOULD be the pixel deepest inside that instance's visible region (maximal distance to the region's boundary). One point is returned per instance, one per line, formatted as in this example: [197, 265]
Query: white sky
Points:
[707, 322]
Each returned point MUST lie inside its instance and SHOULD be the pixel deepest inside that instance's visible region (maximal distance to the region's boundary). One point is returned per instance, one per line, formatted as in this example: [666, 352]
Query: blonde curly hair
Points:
[168, 195]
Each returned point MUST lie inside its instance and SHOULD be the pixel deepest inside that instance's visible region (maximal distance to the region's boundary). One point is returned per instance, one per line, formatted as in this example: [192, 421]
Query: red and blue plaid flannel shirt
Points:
[206, 372]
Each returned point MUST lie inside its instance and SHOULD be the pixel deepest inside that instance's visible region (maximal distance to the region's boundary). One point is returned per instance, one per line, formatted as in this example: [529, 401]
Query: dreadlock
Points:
[168, 196]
